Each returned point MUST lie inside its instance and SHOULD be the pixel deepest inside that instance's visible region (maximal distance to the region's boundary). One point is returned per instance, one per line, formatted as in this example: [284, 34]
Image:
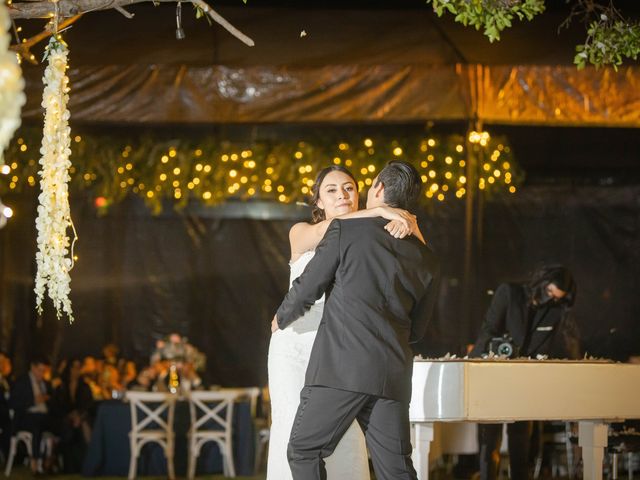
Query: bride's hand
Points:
[402, 222]
[397, 229]
[274, 324]
[407, 219]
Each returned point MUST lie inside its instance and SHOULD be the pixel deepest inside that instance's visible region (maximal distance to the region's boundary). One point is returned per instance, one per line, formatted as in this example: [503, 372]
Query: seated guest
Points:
[128, 374]
[144, 381]
[30, 396]
[533, 318]
[91, 376]
[110, 353]
[109, 380]
[72, 405]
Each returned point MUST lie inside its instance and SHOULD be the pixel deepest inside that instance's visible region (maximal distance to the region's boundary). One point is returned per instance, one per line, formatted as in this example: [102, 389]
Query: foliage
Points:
[611, 38]
[608, 42]
[491, 15]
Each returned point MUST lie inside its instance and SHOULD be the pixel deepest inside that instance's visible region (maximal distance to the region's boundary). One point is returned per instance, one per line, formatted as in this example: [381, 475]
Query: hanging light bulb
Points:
[179, 31]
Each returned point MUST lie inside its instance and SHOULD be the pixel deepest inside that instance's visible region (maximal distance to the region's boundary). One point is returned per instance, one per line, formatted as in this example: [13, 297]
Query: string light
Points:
[481, 138]
[265, 171]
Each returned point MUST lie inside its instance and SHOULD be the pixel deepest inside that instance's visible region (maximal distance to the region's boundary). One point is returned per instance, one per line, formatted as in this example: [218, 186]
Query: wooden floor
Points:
[22, 473]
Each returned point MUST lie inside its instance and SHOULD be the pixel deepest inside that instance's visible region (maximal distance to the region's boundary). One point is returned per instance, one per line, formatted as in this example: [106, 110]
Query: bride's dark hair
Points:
[317, 214]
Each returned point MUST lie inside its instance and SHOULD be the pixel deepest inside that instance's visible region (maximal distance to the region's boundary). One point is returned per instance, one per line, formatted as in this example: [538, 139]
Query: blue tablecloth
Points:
[108, 452]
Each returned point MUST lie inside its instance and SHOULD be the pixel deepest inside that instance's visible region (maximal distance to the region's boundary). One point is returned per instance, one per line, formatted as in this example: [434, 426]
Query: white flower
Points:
[54, 214]
[12, 96]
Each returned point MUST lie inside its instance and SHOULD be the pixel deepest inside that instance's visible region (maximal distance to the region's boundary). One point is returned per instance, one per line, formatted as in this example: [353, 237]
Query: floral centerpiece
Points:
[176, 348]
[177, 363]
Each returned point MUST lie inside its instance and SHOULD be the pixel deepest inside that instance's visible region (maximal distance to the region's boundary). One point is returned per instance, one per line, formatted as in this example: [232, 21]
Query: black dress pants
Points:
[36, 424]
[490, 438]
[325, 414]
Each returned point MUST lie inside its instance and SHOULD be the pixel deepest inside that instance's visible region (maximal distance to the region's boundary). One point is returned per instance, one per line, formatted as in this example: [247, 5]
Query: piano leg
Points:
[421, 447]
[592, 437]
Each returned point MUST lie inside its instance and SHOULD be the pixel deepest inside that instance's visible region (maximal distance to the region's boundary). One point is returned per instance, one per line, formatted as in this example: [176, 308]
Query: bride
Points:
[335, 194]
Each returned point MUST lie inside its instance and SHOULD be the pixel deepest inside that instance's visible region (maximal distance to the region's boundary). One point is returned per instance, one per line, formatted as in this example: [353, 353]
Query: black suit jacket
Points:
[380, 293]
[22, 397]
[543, 332]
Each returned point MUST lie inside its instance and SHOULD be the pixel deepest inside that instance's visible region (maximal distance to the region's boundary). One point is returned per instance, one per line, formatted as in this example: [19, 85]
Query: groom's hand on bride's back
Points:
[274, 324]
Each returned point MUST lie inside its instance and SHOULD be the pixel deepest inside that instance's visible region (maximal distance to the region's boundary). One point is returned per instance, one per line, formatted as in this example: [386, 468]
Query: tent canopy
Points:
[333, 65]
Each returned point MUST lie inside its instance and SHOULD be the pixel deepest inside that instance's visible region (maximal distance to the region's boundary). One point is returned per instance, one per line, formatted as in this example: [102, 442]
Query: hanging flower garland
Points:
[55, 251]
[12, 96]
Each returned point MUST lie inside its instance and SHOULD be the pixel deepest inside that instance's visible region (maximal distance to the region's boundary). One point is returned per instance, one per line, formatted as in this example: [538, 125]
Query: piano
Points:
[592, 393]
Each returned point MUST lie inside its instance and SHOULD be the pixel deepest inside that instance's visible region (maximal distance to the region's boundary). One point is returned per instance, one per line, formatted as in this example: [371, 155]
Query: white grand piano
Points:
[593, 393]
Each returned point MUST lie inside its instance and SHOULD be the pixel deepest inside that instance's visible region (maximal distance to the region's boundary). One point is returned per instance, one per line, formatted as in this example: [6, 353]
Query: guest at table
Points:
[534, 318]
[144, 381]
[91, 376]
[30, 400]
[110, 353]
[109, 381]
[72, 405]
[128, 373]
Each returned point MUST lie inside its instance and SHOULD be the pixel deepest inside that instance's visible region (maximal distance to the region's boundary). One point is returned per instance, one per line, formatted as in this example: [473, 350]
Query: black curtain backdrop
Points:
[219, 280]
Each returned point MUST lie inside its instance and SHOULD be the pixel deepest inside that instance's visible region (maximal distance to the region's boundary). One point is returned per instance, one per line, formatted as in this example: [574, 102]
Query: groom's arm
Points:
[314, 281]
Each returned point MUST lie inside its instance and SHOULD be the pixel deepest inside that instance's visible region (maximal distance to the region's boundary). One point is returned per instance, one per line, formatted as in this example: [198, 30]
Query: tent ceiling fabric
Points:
[352, 66]
[217, 94]
[561, 95]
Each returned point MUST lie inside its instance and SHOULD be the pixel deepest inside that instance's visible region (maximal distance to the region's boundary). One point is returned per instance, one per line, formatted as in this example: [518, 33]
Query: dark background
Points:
[218, 274]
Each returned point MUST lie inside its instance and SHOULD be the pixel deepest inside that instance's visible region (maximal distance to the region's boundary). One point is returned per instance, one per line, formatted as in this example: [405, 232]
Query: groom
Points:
[380, 291]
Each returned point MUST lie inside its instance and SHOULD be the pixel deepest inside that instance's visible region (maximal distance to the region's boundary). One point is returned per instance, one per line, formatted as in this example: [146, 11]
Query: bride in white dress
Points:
[335, 194]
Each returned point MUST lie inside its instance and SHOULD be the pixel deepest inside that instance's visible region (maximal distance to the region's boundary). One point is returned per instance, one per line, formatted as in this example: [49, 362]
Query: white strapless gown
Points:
[289, 352]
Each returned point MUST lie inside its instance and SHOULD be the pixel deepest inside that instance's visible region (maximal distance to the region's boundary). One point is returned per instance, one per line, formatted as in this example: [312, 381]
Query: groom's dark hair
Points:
[402, 184]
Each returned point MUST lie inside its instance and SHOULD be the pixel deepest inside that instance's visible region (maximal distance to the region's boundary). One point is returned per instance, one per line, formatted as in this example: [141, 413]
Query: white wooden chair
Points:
[261, 425]
[46, 446]
[21, 436]
[244, 393]
[152, 415]
[211, 421]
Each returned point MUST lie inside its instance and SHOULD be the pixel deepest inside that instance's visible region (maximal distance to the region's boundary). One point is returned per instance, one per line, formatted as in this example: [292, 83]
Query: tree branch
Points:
[71, 8]
[24, 48]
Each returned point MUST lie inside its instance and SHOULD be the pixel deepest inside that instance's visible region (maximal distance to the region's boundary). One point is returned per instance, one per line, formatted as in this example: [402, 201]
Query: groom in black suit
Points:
[380, 292]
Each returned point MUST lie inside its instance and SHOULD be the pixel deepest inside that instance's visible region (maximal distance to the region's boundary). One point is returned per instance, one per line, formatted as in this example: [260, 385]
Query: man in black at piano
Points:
[534, 318]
